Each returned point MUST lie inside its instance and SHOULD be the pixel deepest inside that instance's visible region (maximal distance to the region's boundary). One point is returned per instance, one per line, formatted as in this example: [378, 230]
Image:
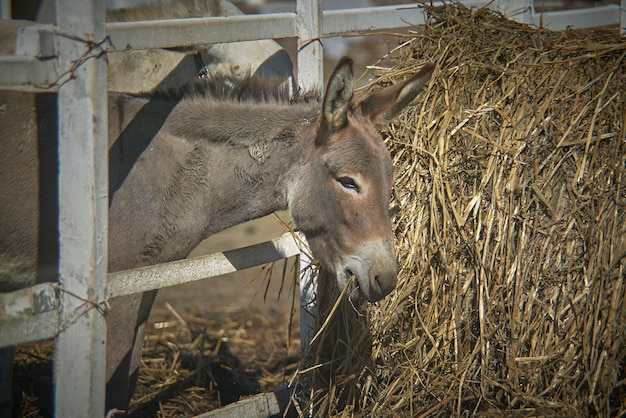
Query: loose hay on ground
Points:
[194, 362]
[511, 235]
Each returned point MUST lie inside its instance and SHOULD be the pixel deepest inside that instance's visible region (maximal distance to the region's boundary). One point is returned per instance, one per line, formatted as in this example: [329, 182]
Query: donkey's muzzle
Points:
[375, 269]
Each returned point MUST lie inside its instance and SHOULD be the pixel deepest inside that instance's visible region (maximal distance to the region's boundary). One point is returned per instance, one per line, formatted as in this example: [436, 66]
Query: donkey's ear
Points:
[338, 95]
[383, 106]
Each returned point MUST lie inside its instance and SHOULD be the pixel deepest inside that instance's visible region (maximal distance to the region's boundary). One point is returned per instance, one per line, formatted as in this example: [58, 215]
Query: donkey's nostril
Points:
[382, 283]
[379, 287]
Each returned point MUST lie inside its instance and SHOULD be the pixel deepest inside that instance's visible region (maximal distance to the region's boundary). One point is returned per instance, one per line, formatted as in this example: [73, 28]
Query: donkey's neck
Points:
[253, 151]
[212, 165]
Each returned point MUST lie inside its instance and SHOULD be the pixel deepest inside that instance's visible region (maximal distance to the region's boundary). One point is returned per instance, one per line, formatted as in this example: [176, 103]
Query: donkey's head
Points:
[341, 202]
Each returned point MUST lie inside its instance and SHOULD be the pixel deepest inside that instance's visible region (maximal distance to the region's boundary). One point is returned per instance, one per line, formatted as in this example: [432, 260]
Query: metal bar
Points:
[29, 315]
[80, 349]
[339, 22]
[5, 9]
[169, 33]
[622, 17]
[21, 310]
[309, 311]
[34, 60]
[19, 70]
[199, 268]
[36, 41]
[201, 31]
[579, 18]
[519, 10]
[309, 18]
[29, 329]
[308, 302]
[310, 54]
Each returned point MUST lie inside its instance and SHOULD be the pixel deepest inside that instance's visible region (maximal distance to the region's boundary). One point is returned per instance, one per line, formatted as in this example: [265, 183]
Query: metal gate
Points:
[71, 53]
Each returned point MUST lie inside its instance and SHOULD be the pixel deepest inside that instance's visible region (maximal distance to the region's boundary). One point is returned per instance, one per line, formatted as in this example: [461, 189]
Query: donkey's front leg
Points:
[6, 373]
[125, 333]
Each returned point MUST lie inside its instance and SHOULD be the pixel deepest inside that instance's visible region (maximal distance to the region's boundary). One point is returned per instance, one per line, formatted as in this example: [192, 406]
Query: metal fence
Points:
[71, 311]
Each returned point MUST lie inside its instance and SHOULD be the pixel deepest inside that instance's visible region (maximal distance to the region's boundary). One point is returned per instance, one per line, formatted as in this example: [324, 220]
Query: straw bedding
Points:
[511, 182]
[193, 361]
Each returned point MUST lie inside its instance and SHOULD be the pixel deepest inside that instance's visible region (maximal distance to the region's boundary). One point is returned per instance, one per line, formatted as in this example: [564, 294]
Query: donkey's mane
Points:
[241, 110]
[251, 88]
[157, 11]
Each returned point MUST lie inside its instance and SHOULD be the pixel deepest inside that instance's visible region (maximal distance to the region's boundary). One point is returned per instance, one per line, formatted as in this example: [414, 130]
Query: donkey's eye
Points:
[348, 183]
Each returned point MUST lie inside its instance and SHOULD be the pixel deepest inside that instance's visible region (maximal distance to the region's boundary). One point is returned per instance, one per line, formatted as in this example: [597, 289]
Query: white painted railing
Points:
[38, 42]
[20, 307]
[70, 310]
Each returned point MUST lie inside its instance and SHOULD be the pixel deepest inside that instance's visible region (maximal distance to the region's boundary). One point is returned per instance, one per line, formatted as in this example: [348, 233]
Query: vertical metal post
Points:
[521, 10]
[309, 15]
[309, 310]
[310, 52]
[5, 9]
[308, 299]
[79, 363]
[622, 16]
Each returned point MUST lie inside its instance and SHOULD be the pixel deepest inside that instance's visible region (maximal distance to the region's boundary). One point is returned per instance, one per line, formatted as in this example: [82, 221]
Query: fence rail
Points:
[26, 68]
[49, 310]
[23, 311]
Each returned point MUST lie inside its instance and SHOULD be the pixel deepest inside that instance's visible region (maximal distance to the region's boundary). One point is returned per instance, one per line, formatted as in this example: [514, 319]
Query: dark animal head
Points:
[341, 202]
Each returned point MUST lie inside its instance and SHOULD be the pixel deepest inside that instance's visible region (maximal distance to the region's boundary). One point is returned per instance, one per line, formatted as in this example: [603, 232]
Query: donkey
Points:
[185, 166]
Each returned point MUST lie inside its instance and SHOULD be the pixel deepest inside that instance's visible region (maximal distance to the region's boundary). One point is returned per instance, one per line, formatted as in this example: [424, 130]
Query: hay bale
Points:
[511, 179]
